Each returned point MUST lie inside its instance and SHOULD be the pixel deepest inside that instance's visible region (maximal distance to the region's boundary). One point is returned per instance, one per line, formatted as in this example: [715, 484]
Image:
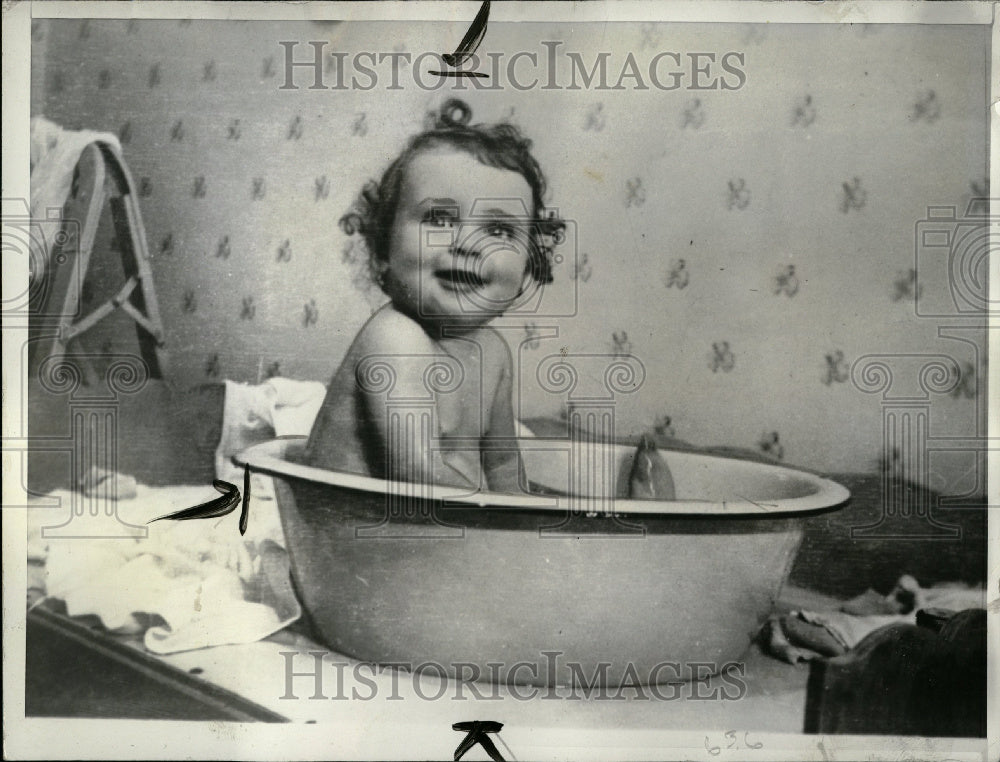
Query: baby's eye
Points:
[501, 231]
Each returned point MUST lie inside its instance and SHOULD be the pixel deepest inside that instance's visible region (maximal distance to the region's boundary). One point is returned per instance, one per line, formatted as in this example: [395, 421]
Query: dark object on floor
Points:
[927, 679]
[74, 671]
[814, 637]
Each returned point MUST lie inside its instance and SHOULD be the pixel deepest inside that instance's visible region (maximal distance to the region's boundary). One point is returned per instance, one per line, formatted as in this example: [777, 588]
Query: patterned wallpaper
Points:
[748, 246]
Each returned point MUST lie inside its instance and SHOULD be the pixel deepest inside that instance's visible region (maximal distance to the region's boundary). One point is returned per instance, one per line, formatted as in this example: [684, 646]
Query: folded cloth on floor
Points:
[200, 581]
[252, 414]
[805, 635]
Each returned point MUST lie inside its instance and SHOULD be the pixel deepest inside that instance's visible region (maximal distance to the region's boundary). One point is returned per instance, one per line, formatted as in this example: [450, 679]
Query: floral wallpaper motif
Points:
[747, 246]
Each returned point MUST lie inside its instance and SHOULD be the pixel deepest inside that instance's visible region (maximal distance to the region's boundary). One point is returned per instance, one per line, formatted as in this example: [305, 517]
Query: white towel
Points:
[252, 414]
[209, 585]
[54, 156]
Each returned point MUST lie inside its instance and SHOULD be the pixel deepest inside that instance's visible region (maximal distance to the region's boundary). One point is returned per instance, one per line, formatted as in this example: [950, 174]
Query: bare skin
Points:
[436, 327]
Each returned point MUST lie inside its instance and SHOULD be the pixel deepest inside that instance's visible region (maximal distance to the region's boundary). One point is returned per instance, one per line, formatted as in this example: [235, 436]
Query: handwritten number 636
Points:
[732, 742]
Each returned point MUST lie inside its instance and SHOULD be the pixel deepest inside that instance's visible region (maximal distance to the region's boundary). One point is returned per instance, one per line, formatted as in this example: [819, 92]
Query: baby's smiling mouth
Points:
[456, 278]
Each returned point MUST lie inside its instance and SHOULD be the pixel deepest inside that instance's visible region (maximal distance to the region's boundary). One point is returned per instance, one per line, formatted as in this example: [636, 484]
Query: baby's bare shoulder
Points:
[390, 342]
[390, 331]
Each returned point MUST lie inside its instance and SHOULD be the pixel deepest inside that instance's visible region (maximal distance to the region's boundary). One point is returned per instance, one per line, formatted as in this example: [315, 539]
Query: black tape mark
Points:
[467, 47]
[477, 731]
[221, 506]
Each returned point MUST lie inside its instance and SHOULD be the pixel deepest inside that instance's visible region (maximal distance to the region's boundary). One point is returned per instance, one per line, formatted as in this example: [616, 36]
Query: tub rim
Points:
[830, 496]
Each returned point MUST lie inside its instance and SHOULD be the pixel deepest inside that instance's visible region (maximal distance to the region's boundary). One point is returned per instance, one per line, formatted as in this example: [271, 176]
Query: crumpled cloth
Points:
[103, 482]
[253, 414]
[55, 153]
[195, 583]
[807, 635]
[187, 585]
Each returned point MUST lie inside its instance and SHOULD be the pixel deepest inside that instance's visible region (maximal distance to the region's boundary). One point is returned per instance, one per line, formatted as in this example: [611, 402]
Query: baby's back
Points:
[392, 360]
[337, 441]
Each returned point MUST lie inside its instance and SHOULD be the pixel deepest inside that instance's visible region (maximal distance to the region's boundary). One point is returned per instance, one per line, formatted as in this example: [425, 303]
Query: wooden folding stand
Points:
[67, 268]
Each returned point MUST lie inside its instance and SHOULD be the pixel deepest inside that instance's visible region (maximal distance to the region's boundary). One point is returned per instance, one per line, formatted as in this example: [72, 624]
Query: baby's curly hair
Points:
[496, 145]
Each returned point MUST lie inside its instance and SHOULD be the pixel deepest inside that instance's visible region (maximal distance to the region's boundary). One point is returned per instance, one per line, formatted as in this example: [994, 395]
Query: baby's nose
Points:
[466, 243]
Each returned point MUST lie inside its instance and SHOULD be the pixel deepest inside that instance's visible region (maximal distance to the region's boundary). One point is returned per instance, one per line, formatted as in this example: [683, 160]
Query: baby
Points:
[456, 234]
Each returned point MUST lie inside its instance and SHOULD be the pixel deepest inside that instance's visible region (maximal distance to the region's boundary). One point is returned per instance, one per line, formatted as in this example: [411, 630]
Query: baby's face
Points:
[459, 248]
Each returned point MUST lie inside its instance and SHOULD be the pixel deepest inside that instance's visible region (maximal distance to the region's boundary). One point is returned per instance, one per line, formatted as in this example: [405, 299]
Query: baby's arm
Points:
[501, 456]
[394, 364]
